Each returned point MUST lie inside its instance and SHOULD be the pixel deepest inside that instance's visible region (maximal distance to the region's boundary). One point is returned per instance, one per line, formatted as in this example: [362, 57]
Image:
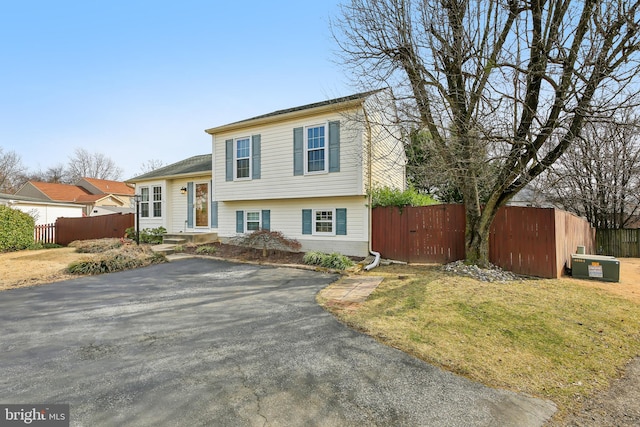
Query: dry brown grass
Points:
[564, 339]
[29, 268]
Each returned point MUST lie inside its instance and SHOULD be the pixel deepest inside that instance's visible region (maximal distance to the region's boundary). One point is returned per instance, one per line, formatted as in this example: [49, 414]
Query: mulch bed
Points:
[250, 254]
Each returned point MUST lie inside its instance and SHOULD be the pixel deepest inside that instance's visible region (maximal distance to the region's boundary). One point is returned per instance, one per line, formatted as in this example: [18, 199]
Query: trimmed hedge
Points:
[16, 229]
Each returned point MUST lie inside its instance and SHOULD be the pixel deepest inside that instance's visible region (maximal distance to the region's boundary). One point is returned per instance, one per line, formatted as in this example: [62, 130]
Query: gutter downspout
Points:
[376, 261]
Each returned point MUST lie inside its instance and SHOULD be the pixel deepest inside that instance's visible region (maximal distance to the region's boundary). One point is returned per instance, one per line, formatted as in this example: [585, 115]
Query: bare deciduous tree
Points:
[599, 176]
[503, 82]
[84, 164]
[11, 169]
[151, 165]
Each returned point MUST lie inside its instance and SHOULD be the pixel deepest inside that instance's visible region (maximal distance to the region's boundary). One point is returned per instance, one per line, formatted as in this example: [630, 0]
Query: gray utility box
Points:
[596, 267]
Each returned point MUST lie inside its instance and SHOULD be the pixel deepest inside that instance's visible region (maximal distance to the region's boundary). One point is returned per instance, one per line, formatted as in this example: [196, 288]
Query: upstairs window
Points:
[315, 149]
[243, 158]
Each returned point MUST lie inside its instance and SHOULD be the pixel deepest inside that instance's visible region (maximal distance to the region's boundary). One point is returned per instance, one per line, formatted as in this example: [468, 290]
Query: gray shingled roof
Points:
[361, 95]
[190, 166]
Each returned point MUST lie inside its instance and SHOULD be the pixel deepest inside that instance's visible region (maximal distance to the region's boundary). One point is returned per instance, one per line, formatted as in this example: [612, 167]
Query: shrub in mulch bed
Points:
[123, 258]
[96, 246]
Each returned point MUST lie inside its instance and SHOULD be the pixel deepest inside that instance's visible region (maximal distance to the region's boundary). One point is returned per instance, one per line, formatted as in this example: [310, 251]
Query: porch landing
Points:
[184, 238]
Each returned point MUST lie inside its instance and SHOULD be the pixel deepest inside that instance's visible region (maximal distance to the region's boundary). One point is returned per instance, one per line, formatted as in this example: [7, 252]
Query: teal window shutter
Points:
[298, 151]
[341, 222]
[214, 214]
[266, 220]
[255, 157]
[334, 146]
[239, 221]
[190, 204]
[228, 153]
[306, 221]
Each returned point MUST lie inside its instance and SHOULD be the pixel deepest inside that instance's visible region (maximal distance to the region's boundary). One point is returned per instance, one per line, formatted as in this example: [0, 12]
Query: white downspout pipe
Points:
[376, 260]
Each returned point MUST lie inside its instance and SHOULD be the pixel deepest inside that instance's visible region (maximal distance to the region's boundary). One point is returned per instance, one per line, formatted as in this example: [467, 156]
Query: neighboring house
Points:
[43, 211]
[118, 189]
[90, 193]
[178, 196]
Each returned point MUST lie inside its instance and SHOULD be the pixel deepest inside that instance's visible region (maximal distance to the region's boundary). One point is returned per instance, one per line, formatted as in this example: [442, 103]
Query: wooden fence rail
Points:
[620, 243]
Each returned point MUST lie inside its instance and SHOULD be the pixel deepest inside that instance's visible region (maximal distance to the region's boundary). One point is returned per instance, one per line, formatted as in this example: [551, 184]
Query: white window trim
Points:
[151, 201]
[313, 222]
[246, 221]
[306, 149]
[235, 159]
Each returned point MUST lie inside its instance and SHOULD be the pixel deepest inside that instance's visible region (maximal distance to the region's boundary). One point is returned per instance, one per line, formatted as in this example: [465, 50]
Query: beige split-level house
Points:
[302, 171]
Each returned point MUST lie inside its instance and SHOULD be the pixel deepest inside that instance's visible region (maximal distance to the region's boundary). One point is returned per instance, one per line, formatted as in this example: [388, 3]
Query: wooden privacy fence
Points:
[531, 241]
[624, 242]
[66, 230]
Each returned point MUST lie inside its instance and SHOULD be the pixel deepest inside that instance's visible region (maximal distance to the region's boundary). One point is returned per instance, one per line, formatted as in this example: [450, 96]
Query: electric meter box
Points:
[595, 267]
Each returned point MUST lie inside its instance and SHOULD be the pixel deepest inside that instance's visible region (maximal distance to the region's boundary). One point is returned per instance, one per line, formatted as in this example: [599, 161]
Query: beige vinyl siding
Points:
[277, 180]
[286, 217]
[388, 159]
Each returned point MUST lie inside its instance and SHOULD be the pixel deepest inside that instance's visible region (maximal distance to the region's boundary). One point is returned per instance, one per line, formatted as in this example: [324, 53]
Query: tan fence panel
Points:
[95, 227]
[624, 242]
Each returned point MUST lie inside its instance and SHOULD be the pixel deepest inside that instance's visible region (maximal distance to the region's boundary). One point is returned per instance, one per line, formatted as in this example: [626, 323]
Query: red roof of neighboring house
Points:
[60, 192]
[111, 187]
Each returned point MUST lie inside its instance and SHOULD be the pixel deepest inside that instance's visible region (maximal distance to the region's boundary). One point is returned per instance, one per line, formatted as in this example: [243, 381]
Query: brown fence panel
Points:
[436, 233]
[522, 240]
[95, 227]
[389, 232]
[45, 233]
[624, 242]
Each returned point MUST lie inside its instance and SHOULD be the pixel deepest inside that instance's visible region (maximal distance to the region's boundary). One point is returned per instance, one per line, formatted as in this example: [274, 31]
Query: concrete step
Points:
[173, 241]
[163, 248]
[190, 237]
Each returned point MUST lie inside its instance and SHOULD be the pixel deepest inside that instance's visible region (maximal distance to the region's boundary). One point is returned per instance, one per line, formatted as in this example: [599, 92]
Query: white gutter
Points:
[376, 261]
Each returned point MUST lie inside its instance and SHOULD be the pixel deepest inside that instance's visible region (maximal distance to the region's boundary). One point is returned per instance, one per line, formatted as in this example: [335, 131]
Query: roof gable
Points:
[105, 186]
[193, 165]
[60, 192]
[336, 103]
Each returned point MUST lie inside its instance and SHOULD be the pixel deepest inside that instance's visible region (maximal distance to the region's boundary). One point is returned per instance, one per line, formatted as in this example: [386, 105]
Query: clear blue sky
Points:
[139, 79]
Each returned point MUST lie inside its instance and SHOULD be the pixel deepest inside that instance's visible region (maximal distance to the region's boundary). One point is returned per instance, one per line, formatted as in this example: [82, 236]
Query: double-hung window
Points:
[242, 158]
[157, 201]
[315, 149]
[151, 202]
[252, 221]
[144, 202]
[324, 222]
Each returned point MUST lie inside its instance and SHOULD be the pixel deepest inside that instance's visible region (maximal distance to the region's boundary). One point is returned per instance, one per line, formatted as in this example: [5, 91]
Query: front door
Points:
[201, 204]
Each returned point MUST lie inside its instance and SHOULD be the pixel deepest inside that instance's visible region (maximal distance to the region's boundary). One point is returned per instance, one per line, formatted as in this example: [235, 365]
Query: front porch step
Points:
[165, 249]
[182, 238]
[173, 241]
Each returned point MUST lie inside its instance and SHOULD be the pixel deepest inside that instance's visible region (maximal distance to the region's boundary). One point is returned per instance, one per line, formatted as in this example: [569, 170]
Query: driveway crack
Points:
[245, 384]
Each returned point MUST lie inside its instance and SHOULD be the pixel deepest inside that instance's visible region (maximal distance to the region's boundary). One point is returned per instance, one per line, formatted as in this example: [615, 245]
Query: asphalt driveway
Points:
[203, 342]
